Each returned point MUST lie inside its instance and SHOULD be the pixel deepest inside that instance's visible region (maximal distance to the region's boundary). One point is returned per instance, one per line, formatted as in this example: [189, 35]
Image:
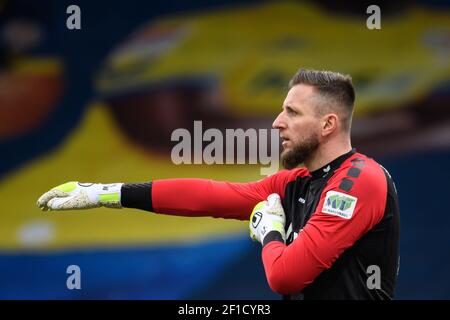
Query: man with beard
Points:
[329, 229]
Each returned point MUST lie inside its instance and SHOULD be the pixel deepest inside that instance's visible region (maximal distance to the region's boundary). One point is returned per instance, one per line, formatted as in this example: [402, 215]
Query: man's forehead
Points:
[298, 94]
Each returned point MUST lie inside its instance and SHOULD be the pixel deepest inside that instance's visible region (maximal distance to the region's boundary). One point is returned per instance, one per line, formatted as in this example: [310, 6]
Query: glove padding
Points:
[267, 216]
[76, 196]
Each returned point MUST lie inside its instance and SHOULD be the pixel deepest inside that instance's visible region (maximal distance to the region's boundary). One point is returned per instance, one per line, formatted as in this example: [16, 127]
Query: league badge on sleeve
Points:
[339, 204]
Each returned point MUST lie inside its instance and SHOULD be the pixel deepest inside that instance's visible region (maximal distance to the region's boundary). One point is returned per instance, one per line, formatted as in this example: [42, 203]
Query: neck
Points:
[327, 152]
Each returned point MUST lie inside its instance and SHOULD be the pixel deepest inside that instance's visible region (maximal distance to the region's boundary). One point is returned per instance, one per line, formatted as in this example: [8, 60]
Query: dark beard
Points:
[300, 152]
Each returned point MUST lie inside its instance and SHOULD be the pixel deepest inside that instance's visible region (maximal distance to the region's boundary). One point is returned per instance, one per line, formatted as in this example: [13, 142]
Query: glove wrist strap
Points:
[110, 194]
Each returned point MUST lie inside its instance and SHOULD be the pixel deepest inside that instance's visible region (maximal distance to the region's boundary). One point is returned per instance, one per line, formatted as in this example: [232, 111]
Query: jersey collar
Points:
[333, 165]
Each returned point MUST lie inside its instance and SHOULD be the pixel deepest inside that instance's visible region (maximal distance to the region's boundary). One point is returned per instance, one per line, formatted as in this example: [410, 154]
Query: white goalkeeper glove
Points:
[267, 216]
[76, 196]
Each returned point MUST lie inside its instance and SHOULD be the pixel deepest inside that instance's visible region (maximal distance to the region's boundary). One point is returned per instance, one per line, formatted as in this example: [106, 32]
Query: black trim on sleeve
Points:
[137, 196]
[273, 236]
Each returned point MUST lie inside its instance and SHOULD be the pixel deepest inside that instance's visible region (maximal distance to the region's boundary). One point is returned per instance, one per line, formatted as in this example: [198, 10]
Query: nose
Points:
[279, 123]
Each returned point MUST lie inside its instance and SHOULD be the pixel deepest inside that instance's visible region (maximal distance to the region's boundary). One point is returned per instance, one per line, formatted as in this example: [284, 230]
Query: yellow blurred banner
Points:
[97, 152]
[251, 52]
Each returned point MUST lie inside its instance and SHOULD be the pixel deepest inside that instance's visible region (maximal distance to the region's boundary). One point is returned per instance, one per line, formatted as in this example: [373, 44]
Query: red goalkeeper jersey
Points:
[342, 225]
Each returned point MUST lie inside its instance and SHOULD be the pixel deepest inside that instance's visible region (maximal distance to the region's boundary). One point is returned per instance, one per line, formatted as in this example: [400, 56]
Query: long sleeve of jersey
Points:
[202, 197]
[340, 219]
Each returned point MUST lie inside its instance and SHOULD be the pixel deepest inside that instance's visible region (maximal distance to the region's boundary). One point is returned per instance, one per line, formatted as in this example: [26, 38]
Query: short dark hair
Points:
[335, 87]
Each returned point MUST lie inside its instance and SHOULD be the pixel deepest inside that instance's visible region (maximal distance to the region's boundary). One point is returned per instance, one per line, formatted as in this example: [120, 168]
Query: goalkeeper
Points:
[323, 227]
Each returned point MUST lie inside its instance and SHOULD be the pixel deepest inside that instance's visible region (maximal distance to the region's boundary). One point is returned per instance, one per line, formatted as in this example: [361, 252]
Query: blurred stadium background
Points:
[99, 105]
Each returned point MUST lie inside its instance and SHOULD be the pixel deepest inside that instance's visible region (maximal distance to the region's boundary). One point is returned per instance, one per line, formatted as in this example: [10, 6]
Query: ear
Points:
[330, 124]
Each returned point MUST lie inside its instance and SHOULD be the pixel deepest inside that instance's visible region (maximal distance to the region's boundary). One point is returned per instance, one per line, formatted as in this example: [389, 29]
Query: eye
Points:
[290, 111]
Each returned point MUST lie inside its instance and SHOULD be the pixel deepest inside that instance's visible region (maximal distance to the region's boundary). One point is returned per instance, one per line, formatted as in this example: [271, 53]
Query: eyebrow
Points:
[292, 108]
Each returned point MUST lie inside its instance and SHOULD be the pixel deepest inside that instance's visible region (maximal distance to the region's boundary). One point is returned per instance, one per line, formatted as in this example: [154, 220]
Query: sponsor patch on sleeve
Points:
[339, 204]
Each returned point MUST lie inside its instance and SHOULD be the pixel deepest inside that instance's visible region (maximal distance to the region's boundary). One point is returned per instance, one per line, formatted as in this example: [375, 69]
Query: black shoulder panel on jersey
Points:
[354, 172]
[346, 185]
[358, 162]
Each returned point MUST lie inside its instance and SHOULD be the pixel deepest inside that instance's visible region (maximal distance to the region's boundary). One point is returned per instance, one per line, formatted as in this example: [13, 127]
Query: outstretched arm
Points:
[184, 197]
[202, 197]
